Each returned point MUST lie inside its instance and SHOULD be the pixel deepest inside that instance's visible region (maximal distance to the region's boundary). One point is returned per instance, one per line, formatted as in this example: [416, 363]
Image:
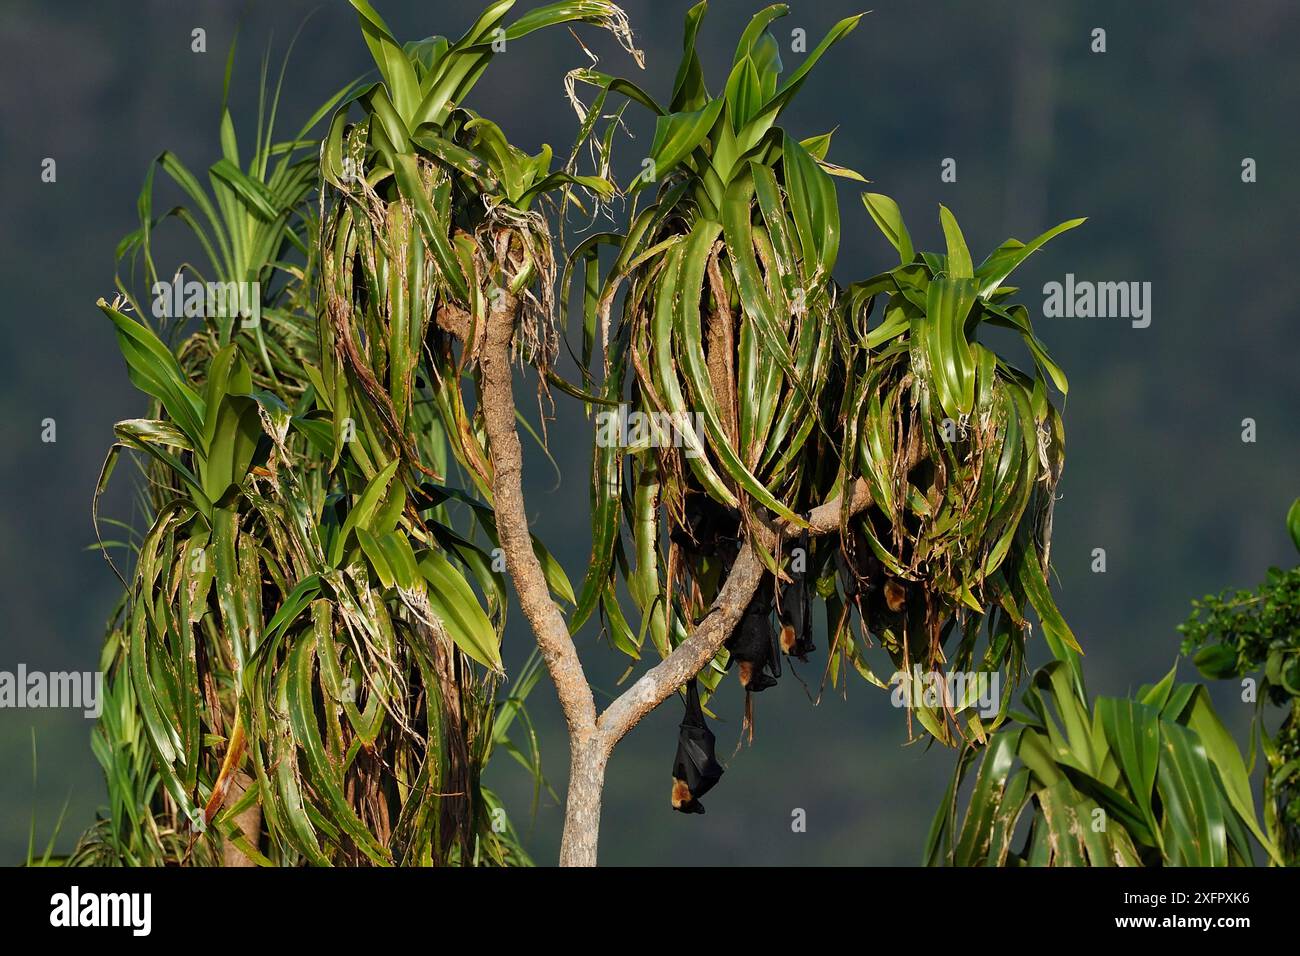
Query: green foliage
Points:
[426, 182]
[1154, 780]
[1236, 634]
[253, 225]
[961, 451]
[312, 613]
[1150, 780]
[728, 294]
[788, 391]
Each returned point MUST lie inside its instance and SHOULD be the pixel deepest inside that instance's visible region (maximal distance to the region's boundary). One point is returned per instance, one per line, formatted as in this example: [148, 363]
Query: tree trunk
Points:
[582, 803]
[582, 816]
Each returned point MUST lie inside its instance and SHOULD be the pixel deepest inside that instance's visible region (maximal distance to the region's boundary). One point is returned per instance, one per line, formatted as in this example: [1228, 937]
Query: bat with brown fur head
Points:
[753, 644]
[795, 611]
[695, 768]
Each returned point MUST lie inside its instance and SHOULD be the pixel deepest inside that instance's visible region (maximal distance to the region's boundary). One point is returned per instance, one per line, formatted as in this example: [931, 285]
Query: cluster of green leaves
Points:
[253, 224]
[730, 317]
[728, 295]
[311, 605]
[1240, 633]
[421, 156]
[961, 451]
[1154, 780]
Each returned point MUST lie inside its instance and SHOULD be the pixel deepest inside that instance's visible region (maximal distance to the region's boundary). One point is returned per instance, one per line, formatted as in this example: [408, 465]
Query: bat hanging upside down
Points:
[795, 613]
[710, 529]
[753, 644]
[695, 768]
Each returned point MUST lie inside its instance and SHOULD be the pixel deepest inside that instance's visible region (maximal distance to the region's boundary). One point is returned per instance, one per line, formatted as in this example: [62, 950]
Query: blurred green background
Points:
[1146, 139]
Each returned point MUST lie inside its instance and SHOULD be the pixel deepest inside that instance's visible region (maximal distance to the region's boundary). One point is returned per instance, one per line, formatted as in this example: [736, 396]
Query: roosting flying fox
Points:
[755, 647]
[753, 644]
[695, 768]
[795, 612]
[877, 595]
[710, 530]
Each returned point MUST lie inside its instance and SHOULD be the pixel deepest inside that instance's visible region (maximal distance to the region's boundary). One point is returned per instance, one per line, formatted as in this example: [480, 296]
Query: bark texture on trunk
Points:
[498, 403]
[587, 756]
[587, 762]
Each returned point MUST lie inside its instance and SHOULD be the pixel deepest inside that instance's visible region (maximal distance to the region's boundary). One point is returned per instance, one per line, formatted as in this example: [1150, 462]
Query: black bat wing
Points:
[695, 766]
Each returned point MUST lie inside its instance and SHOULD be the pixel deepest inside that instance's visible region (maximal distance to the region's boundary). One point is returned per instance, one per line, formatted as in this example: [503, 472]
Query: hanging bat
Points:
[695, 768]
[711, 529]
[895, 595]
[753, 644]
[795, 612]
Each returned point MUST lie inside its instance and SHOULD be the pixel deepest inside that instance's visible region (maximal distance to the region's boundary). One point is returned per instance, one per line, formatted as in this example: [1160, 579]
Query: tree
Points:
[315, 598]
[301, 599]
